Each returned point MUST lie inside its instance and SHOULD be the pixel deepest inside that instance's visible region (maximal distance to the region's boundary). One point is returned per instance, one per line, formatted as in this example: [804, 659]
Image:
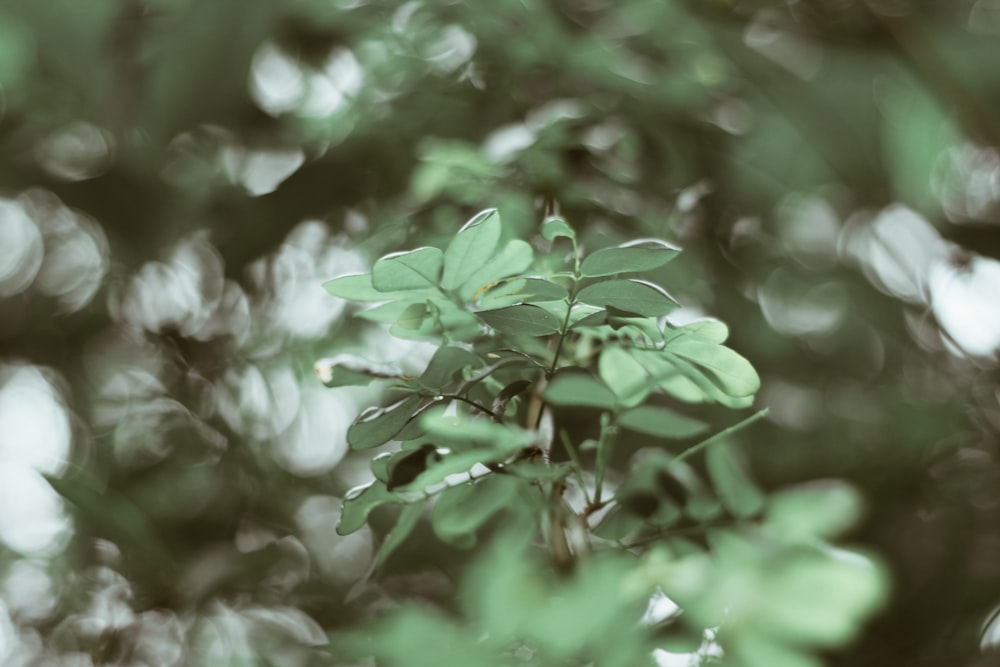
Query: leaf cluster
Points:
[551, 363]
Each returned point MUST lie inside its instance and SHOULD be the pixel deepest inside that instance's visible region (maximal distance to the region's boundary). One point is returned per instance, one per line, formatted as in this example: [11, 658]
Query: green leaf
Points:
[761, 650]
[819, 598]
[729, 371]
[539, 289]
[647, 327]
[632, 257]
[522, 290]
[405, 524]
[595, 319]
[738, 493]
[661, 422]
[377, 426]
[618, 524]
[434, 317]
[415, 635]
[515, 258]
[706, 330]
[417, 320]
[503, 399]
[671, 375]
[404, 469]
[553, 228]
[453, 320]
[634, 296]
[502, 294]
[382, 464]
[820, 509]
[408, 270]
[117, 518]
[463, 432]
[447, 364]
[623, 375]
[462, 509]
[359, 503]
[387, 313]
[579, 390]
[356, 287]
[347, 369]
[527, 319]
[471, 248]
[453, 464]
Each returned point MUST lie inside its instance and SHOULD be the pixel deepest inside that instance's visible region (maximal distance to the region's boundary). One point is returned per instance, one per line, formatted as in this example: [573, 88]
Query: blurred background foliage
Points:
[180, 177]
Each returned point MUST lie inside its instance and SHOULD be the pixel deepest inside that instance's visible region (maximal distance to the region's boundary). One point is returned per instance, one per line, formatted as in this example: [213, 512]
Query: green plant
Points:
[554, 417]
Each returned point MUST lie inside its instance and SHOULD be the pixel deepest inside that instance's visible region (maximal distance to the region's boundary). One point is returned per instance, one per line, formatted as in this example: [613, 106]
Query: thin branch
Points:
[721, 435]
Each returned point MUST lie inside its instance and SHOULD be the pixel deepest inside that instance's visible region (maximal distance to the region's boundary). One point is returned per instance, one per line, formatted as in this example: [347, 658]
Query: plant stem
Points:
[469, 401]
[577, 466]
[608, 431]
[708, 442]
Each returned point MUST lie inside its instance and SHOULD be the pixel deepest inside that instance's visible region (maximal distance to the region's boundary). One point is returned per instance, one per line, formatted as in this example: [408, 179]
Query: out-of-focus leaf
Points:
[462, 509]
[819, 598]
[579, 390]
[661, 422]
[405, 523]
[461, 432]
[117, 517]
[416, 636]
[820, 509]
[737, 491]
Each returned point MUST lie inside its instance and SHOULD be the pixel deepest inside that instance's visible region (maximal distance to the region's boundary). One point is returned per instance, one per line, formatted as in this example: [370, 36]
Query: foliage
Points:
[491, 436]
[179, 177]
